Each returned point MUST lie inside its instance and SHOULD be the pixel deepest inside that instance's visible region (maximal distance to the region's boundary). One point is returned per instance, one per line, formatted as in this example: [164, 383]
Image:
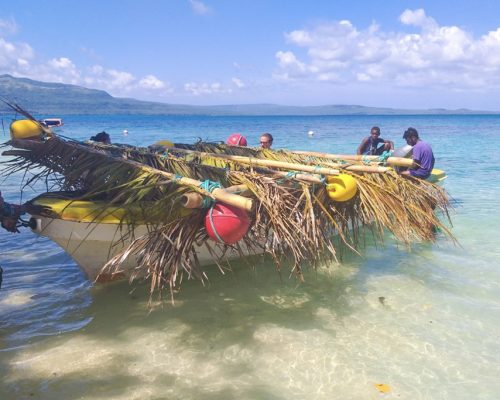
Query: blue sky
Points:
[419, 54]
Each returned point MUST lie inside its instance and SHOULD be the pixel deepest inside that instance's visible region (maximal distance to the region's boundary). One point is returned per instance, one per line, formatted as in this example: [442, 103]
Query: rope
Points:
[208, 202]
[210, 218]
[365, 160]
[290, 175]
[209, 186]
[164, 156]
[384, 156]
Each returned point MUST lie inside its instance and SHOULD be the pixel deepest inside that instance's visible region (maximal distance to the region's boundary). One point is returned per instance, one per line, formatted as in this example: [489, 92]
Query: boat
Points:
[92, 233]
[132, 212]
[52, 122]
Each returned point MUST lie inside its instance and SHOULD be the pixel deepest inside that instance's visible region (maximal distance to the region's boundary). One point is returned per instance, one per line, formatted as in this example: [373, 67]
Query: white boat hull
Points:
[91, 245]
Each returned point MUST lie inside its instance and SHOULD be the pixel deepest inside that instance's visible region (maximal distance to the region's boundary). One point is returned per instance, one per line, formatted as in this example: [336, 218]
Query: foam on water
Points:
[426, 323]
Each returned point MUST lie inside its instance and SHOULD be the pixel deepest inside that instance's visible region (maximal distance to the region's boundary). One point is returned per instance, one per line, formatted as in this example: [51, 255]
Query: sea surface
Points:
[390, 324]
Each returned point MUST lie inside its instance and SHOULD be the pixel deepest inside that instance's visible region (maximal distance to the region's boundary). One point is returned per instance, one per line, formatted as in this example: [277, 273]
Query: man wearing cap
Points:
[423, 157]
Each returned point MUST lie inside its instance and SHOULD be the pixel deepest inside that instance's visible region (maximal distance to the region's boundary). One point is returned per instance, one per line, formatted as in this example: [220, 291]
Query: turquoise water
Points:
[425, 322]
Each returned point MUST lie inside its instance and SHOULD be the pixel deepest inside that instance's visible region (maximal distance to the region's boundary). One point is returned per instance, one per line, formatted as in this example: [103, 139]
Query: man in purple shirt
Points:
[423, 158]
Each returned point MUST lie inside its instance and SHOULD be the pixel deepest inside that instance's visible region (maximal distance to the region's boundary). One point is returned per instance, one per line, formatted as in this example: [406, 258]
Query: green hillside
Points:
[58, 98]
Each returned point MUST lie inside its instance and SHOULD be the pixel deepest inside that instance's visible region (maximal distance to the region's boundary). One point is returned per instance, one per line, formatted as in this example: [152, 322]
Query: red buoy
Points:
[226, 224]
[236, 139]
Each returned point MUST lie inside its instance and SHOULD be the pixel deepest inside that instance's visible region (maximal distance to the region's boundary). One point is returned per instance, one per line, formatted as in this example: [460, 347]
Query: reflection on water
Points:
[256, 334]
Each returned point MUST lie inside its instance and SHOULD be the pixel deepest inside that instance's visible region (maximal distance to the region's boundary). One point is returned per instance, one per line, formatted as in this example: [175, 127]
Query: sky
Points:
[392, 53]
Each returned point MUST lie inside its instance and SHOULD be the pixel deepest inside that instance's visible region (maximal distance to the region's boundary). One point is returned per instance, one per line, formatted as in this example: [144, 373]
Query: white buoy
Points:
[125, 132]
[310, 133]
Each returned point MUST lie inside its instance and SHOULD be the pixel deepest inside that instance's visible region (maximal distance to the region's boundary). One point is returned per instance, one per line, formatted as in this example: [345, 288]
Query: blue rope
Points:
[209, 186]
[365, 159]
[288, 176]
[384, 156]
[316, 167]
[164, 156]
[210, 218]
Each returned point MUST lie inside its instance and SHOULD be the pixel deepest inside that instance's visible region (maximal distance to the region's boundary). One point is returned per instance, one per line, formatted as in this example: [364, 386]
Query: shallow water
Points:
[425, 322]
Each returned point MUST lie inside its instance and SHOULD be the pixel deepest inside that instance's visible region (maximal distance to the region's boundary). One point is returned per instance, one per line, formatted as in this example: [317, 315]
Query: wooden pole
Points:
[252, 161]
[218, 194]
[396, 161]
[195, 199]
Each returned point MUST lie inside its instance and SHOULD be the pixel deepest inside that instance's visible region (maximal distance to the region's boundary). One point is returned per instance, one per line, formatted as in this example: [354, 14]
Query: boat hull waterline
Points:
[92, 244]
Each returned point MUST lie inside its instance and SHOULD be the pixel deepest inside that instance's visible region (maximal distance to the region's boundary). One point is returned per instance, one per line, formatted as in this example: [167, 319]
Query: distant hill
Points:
[59, 98]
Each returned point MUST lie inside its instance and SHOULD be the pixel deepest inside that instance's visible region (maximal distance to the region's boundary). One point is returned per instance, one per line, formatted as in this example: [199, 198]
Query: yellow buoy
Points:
[341, 187]
[25, 129]
[164, 143]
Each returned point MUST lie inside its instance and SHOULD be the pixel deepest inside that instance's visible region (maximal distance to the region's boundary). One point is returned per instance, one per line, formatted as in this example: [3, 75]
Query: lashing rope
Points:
[209, 186]
[384, 156]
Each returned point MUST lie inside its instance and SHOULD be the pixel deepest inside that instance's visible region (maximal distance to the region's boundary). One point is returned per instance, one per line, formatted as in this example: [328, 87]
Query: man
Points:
[423, 157]
[9, 215]
[266, 140]
[370, 145]
[102, 137]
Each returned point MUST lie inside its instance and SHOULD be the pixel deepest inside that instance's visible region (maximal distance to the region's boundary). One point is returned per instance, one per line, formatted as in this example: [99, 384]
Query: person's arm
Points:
[362, 146]
[390, 143]
[415, 165]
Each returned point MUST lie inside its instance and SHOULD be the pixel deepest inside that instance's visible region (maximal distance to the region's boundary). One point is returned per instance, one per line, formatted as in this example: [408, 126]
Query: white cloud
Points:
[417, 18]
[151, 82]
[18, 59]
[117, 82]
[14, 57]
[238, 83]
[432, 55]
[288, 60]
[198, 89]
[8, 26]
[199, 7]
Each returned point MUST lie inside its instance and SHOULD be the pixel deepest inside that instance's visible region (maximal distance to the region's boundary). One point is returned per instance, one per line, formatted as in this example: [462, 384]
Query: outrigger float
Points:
[166, 211]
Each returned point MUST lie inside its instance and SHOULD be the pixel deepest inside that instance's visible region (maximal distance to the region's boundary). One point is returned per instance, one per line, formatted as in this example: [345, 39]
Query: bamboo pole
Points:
[396, 161]
[218, 194]
[195, 199]
[285, 165]
[191, 200]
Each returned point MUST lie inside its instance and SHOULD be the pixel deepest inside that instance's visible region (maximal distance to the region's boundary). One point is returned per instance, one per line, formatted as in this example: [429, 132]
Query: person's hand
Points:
[10, 224]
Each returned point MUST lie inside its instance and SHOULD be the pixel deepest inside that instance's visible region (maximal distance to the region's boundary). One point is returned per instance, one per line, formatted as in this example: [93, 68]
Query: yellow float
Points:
[25, 129]
[164, 143]
[342, 187]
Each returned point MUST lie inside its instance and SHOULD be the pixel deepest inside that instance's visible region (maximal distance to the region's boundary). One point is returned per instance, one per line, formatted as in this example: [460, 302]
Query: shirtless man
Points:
[370, 144]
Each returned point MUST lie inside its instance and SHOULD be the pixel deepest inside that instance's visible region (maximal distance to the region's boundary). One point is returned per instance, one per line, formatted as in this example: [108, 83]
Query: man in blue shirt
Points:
[370, 144]
[423, 157]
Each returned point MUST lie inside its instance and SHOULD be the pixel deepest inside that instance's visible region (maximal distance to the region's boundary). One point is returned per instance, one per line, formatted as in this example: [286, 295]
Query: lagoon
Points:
[426, 323]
